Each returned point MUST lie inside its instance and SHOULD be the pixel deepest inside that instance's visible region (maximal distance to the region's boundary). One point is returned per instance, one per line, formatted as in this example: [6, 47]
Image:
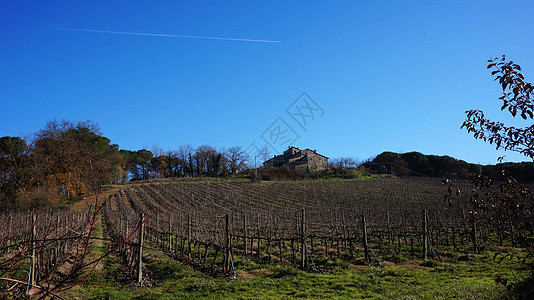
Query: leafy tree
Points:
[70, 155]
[517, 97]
[174, 165]
[205, 160]
[142, 161]
[512, 203]
[14, 168]
[104, 157]
[129, 164]
[389, 162]
[61, 160]
[417, 164]
[158, 165]
[215, 164]
[418, 161]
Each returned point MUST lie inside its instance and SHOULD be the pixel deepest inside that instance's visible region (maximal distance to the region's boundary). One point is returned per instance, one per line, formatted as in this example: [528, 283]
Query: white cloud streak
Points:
[164, 35]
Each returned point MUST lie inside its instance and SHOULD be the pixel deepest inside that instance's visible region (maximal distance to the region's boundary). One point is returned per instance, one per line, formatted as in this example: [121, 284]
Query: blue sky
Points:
[386, 75]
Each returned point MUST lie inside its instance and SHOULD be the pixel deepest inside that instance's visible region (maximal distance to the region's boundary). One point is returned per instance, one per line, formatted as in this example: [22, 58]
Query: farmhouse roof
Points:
[315, 152]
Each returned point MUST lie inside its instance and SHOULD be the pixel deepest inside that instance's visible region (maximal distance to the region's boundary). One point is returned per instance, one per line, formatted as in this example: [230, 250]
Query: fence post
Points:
[189, 236]
[8, 236]
[140, 256]
[477, 250]
[32, 245]
[170, 235]
[66, 242]
[227, 245]
[259, 236]
[344, 230]
[303, 240]
[58, 243]
[245, 235]
[425, 235]
[388, 228]
[365, 247]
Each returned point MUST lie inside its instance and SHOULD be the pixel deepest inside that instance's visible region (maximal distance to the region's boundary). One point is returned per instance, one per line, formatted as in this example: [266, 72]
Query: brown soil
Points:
[251, 274]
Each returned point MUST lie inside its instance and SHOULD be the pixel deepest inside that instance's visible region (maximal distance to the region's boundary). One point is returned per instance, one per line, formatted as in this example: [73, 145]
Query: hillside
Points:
[418, 164]
[217, 238]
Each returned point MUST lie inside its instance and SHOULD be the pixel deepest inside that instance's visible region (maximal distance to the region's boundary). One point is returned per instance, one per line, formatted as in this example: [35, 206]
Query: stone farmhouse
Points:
[305, 161]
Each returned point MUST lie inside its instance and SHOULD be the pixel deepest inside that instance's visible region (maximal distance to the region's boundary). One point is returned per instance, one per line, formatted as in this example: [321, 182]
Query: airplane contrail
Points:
[165, 35]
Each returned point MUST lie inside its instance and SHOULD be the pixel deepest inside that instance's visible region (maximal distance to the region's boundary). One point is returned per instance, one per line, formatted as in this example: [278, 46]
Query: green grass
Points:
[407, 279]
[399, 277]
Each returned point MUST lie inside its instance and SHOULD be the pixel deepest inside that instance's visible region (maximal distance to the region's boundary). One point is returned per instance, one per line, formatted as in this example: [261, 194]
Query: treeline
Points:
[417, 164]
[65, 160]
[56, 162]
[203, 161]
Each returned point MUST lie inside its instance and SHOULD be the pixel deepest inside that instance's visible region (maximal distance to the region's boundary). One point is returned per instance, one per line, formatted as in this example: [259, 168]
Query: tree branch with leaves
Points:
[517, 97]
[506, 205]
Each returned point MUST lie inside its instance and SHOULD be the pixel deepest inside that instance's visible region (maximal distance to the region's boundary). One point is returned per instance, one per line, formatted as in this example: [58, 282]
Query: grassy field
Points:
[334, 242]
[470, 278]
[458, 275]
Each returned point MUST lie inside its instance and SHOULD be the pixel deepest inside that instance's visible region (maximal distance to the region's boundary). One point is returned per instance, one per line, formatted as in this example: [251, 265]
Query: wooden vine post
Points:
[140, 256]
[227, 244]
[344, 229]
[157, 230]
[475, 243]
[66, 243]
[170, 234]
[245, 234]
[364, 241]
[189, 236]
[303, 240]
[388, 228]
[58, 244]
[425, 235]
[259, 235]
[32, 245]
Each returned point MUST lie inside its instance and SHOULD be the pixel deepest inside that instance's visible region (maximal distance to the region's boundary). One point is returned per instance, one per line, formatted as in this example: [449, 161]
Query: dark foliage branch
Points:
[509, 205]
[517, 98]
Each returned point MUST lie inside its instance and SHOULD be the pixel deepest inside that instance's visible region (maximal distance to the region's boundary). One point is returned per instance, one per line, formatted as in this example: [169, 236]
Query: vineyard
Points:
[214, 225]
[299, 223]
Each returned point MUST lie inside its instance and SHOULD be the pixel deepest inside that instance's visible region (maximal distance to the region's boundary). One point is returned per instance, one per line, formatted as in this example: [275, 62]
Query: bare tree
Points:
[185, 156]
[344, 163]
[265, 152]
[236, 159]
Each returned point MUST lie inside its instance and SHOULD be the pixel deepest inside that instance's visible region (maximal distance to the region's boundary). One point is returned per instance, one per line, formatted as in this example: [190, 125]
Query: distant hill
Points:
[418, 164]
